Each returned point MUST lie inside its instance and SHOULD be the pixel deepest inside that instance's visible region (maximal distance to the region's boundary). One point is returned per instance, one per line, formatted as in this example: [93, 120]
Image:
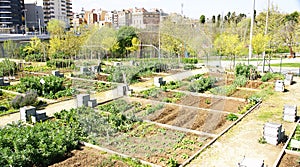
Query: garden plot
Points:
[221, 104]
[94, 157]
[154, 144]
[214, 103]
[87, 85]
[189, 118]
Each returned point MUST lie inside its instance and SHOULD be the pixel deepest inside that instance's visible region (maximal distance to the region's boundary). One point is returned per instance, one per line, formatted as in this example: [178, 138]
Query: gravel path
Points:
[242, 139]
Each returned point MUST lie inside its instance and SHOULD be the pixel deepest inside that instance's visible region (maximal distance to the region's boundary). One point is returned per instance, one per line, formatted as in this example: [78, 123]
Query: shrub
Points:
[268, 76]
[189, 60]
[17, 101]
[226, 90]
[60, 63]
[231, 117]
[244, 70]
[240, 81]
[201, 84]
[152, 92]
[189, 67]
[30, 98]
[1, 92]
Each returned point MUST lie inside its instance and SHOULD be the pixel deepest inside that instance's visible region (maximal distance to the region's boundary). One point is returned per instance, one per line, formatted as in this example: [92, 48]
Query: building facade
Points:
[125, 18]
[34, 18]
[11, 16]
[141, 18]
[58, 9]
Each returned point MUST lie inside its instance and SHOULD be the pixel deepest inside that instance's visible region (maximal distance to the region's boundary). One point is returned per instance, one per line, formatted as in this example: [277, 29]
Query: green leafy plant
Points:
[172, 162]
[231, 117]
[240, 81]
[201, 84]
[152, 92]
[244, 70]
[262, 140]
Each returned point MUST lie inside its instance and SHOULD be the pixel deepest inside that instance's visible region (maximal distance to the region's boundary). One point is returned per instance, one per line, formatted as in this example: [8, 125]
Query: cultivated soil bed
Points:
[221, 104]
[180, 116]
[154, 144]
[195, 119]
[289, 160]
[86, 156]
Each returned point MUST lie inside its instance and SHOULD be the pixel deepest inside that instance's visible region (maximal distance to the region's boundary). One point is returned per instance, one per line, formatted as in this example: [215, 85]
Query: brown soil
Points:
[253, 84]
[101, 77]
[244, 94]
[168, 114]
[289, 160]
[89, 157]
[227, 105]
[211, 122]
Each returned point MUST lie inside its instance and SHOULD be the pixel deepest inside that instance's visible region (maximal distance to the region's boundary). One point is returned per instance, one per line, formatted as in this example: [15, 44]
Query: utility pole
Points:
[266, 32]
[159, 33]
[40, 32]
[251, 31]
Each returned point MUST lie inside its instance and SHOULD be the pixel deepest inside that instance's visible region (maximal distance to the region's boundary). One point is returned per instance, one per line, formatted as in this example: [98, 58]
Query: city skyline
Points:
[191, 8]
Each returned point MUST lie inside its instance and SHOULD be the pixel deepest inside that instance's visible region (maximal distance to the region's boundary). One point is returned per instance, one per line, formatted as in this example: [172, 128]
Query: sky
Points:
[191, 8]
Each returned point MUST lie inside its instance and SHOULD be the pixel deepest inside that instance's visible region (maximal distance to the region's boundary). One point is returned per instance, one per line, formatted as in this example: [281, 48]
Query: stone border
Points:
[222, 133]
[113, 152]
[284, 150]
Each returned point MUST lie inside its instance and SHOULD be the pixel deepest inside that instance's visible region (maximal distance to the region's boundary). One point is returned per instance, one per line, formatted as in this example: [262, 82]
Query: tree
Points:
[34, 46]
[259, 43]
[56, 28]
[10, 48]
[288, 30]
[229, 45]
[202, 19]
[124, 39]
[213, 19]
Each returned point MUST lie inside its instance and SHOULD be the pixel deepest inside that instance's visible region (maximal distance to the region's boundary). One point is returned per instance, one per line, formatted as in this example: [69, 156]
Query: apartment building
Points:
[11, 16]
[34, 17]
[125, 18]
[58, 9]
[141, 18]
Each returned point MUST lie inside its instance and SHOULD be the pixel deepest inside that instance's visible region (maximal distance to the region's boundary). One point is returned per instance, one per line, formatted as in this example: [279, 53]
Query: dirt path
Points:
[242, 139]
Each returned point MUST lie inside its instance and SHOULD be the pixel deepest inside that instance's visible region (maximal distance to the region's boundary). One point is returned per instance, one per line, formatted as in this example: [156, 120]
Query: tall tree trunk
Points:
[291, 51]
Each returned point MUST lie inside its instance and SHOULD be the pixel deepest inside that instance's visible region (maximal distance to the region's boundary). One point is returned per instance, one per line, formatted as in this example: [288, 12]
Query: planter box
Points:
[26, 112]
[279, 86]
[92, 103]
[288, 79]
[82, 100]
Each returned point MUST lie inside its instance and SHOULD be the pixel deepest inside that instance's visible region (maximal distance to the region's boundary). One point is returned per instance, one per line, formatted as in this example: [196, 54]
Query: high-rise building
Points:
[58, 9]
[34, 17]
[11, 15]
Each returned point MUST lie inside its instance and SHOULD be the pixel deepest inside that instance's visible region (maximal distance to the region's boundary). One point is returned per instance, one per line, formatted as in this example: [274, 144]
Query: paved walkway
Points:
[242, 139]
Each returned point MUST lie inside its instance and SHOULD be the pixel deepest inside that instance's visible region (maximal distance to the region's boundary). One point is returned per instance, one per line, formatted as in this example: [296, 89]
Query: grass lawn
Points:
[286, 65]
